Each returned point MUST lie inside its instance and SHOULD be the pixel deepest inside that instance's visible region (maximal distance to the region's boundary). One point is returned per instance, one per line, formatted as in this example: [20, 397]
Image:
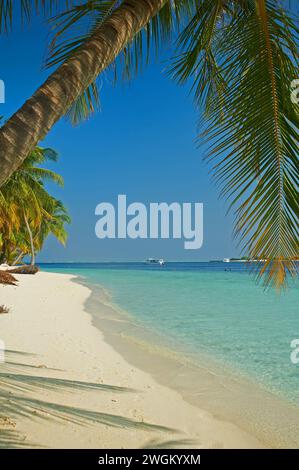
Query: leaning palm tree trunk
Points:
[31, 240]
[53, 99]
[18, 258]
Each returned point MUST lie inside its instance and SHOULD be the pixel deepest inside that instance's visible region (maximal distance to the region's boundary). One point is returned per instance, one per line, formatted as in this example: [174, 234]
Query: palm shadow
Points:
[171, 444]
[18, 405]
[24, 382]
[16, 390]
[19, 353]
[10, 354]
[13, 440]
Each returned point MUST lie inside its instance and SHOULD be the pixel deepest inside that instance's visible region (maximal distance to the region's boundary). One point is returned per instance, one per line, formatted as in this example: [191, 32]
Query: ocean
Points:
[215, 309]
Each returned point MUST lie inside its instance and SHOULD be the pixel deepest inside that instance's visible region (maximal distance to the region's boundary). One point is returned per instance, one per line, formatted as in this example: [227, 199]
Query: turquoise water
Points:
[204, 308]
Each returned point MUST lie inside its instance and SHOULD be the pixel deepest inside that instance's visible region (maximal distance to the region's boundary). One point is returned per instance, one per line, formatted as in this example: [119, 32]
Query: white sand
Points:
[48, 335]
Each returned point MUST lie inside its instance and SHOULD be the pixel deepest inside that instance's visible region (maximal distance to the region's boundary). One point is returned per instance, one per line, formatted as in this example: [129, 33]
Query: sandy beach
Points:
[63, 386]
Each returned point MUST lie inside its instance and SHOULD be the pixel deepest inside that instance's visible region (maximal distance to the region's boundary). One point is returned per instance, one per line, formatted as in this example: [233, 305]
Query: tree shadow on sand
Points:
[13, 440]
[179, 443]
[22, 406]
[17, 389]
[24, 382]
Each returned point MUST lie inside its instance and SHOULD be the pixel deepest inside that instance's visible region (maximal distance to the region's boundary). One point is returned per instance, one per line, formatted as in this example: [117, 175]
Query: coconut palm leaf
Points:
[26, 8]
[241, 66]
[72, 28]
[53, 223]
[86, 105]
[240, 56]
[69, 34]
[28, 213]
[43, 175]
[63, 87]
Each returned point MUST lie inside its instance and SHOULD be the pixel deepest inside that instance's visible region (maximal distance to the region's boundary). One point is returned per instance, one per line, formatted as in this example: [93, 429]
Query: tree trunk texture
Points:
[51, 101]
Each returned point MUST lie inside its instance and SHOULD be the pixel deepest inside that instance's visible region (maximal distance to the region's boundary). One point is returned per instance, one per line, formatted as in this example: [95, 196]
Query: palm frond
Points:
[26, 206]
[70, 31]
[43, 174]
[86, 105]
[39, 156]
[250, 123]
[26, 8]
[157, 35]
[72, 28]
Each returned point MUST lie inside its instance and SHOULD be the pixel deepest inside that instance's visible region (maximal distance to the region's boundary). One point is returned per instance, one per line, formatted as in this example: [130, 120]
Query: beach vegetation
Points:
[239, 58]
[7, 278]
[4, 309]
[28, 212]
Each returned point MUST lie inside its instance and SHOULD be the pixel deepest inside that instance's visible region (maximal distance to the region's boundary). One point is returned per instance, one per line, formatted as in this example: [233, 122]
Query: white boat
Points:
[160, 262]
[226, 260]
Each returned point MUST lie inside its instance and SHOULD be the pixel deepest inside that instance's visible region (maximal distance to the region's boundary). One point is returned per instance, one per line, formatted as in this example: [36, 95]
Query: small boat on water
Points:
[156, 261]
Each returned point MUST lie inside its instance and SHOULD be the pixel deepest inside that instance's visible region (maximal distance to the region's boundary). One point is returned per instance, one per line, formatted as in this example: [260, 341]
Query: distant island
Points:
[235, 260]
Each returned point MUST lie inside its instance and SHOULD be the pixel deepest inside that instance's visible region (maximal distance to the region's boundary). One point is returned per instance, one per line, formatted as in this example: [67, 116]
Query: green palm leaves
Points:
[73, 28]
[241, 60]
[240, 57]
[28, 213]
[27, 8]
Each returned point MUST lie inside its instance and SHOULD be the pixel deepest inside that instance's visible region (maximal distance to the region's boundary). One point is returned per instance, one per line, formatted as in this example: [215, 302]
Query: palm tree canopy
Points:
[28, 213]
[9, 9]
[240, 58]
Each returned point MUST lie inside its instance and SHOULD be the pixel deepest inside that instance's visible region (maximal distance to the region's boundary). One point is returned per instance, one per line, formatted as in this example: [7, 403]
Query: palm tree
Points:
[68, 83]
[56, 216]
[240, 57]
[28, 213]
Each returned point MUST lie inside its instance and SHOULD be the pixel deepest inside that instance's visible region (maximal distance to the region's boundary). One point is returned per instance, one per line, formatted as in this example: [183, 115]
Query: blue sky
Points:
[141, 144]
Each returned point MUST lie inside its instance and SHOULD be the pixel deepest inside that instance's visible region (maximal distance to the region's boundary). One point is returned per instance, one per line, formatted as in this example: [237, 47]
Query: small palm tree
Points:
[29, 212]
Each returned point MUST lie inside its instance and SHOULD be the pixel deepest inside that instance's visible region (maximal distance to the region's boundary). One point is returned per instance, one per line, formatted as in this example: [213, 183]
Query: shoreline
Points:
[269, 417]
[63, 386]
